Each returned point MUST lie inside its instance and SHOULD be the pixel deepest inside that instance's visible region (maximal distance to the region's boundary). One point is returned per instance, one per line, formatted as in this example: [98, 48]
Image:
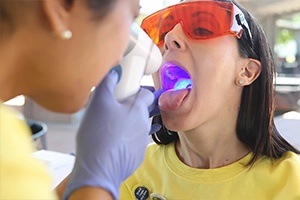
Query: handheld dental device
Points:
[142, 57]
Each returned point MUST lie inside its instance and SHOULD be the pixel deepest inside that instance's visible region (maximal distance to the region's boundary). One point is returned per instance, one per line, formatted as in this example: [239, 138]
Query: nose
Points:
[174, 39]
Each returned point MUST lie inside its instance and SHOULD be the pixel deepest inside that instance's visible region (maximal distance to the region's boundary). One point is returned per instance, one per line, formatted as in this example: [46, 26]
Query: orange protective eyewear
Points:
[200, 20]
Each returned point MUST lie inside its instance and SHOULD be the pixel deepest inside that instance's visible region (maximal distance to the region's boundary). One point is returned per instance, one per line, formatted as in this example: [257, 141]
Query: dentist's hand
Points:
[111, 139]
[154, 108]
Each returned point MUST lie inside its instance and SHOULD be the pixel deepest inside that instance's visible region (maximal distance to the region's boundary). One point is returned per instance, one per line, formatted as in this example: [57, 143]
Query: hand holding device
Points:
[111, 139]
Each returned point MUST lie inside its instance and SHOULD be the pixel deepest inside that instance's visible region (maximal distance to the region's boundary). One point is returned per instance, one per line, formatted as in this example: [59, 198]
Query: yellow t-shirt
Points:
[164, 176]
[21, 175]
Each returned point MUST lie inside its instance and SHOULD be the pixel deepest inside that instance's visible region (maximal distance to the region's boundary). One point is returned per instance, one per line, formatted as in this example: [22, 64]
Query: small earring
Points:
[241, 81]
[66, 34]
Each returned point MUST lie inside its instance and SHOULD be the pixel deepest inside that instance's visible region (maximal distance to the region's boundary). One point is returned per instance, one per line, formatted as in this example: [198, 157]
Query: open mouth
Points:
[174, 77]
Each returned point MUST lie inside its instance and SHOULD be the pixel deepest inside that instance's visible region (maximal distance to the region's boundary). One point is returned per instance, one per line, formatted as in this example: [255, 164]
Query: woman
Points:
[55, 51]
[227, 145]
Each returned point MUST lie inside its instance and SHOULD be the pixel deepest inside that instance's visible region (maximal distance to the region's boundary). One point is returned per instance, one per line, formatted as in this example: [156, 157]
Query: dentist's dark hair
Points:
[9, 9]
[99, 7]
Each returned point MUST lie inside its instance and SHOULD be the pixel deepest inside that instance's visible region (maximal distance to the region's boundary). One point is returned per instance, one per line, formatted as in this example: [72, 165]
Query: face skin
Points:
[206, 119]
[213, 74]
[56, 73]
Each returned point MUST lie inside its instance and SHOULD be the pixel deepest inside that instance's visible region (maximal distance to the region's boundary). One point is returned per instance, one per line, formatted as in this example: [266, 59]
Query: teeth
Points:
[174, 77]
[183, 84]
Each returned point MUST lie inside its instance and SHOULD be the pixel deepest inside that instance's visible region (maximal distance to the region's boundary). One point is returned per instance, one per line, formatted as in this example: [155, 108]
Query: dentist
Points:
[54, 52]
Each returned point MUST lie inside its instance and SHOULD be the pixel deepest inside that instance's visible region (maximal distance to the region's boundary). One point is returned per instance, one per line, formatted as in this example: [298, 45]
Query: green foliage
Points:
[285, 36]
[296, 18]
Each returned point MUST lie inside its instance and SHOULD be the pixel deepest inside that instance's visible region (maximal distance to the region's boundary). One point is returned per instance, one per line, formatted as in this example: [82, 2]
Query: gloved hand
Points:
[111, 139]
[154, 108]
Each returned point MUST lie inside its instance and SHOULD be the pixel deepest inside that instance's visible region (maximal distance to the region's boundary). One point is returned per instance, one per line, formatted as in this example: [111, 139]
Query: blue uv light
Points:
[174, 77]
[183, 84]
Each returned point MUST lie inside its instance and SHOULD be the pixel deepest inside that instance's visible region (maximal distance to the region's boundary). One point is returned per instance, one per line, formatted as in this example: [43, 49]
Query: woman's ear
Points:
[249, 72]
[57, 13]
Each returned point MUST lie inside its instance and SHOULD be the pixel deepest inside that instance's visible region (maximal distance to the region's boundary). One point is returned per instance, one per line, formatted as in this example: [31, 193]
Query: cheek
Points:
[109, 50]
[113, 34]
[212, 79]
[213, 83]
[215, 71]
[113, 47]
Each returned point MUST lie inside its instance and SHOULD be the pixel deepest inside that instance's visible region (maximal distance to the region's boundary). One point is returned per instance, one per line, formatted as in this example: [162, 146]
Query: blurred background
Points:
[280, 19]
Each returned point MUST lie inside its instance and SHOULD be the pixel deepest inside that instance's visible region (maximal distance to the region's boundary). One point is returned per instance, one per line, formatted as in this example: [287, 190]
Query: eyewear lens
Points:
[200, 20]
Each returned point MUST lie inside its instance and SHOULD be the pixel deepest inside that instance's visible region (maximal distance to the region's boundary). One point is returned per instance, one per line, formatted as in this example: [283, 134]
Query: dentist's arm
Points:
[111, 142]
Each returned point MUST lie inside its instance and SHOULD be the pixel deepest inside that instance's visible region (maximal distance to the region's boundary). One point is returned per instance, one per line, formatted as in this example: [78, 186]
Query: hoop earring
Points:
[66, 35]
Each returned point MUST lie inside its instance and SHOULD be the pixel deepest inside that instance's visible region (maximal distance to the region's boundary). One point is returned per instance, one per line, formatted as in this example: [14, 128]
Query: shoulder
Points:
[155, 156]
[17, 163]
[158, 153]
[147, 173]
[14, 131]
[13, 125]
[153, 148]
[153, 152]
[289, 160]
[284, 169]
[11, 119]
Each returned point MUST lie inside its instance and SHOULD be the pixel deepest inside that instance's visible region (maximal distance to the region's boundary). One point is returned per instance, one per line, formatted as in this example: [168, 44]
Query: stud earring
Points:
[241, 81]
[66, 34]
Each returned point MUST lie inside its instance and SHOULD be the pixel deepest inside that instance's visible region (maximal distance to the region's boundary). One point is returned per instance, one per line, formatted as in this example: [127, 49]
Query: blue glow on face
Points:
[174, 77]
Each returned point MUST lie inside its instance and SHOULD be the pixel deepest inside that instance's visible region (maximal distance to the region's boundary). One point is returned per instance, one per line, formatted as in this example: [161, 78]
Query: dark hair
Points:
[100, 8]
[255, 123]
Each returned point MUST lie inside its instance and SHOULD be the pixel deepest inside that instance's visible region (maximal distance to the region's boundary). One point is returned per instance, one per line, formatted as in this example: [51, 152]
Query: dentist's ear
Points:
[249, 73]
[57, 13]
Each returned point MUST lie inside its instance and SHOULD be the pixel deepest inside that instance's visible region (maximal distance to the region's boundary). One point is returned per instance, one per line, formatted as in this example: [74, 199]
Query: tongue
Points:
[172, 99]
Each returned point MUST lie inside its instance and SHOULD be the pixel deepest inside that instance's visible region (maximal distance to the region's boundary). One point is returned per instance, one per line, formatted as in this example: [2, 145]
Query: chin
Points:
[66, 109]
[64, 106]
[72, 109]
[75, 107]
[173, 123]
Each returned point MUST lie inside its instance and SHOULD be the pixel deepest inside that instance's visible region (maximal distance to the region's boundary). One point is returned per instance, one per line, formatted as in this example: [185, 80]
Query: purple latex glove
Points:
[112, 138]
[154, 108]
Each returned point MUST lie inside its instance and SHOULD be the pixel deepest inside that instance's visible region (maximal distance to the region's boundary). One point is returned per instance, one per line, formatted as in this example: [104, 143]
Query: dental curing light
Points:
[142, 57]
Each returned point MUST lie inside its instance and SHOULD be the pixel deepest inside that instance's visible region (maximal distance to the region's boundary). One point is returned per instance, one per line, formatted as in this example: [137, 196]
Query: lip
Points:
[174, 76]
[174, 62]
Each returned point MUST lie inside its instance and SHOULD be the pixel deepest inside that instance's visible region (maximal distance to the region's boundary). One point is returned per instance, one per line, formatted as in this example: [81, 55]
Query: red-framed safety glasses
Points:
[199, 19]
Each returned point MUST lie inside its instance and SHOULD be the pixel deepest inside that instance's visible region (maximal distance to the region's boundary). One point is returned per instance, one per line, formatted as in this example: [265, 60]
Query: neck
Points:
[6, 83]
[210, 149]
[11, 75]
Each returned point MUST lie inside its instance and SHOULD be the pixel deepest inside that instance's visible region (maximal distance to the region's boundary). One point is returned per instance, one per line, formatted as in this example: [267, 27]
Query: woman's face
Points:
[69, 69]
[213, 65]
